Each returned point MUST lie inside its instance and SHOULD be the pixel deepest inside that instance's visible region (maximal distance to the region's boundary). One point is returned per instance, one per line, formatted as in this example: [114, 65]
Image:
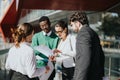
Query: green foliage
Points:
[111, 26]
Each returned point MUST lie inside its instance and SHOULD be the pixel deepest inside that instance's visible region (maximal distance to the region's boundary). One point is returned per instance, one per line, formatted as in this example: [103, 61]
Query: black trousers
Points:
[67, 73]
[13, 75]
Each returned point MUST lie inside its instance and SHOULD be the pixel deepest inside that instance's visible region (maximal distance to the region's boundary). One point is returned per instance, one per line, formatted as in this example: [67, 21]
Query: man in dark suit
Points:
[89, 54]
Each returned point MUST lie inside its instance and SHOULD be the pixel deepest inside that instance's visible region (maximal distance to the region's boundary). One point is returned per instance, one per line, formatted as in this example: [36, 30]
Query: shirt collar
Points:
[48, 34]
[26, 43]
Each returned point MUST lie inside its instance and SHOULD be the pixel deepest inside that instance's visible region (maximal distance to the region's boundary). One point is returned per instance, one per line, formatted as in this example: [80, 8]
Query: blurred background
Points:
[104, 18]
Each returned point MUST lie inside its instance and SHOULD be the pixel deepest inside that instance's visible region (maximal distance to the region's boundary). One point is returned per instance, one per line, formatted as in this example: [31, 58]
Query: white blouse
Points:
[23, 60]
[68, 49]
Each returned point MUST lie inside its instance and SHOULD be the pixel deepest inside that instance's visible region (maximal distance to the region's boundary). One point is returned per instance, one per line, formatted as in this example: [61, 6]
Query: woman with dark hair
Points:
[21, 59]
[65, 51]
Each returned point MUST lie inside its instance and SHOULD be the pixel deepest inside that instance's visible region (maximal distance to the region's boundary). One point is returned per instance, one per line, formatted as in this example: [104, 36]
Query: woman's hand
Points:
[56, 52]
[52, 58]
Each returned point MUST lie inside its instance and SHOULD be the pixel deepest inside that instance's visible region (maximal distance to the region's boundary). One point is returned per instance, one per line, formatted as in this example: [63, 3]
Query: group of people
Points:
[77, 57]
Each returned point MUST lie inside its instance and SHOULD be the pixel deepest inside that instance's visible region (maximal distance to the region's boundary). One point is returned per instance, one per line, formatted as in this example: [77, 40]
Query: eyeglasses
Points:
[59, 32]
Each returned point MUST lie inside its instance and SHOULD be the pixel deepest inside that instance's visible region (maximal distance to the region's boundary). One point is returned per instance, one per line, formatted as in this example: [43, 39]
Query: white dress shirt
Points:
[22, 59]
[47, 34]
[67, 47]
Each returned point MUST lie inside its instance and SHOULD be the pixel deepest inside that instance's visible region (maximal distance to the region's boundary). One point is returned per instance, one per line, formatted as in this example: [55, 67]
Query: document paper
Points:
[44, 50]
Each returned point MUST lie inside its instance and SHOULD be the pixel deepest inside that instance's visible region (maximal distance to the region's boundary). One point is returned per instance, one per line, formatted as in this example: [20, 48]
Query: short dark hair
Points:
[45, 18]
[79, 16]
[62, 24]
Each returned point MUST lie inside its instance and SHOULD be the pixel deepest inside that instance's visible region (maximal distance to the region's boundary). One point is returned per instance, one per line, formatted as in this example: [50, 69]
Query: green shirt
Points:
[40, 39]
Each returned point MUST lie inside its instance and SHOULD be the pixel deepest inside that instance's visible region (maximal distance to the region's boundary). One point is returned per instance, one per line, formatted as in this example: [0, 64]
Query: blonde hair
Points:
[21, 33]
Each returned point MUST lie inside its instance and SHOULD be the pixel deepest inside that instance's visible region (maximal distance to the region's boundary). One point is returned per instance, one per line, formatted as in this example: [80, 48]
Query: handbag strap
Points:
[71, 47]
[70, 44]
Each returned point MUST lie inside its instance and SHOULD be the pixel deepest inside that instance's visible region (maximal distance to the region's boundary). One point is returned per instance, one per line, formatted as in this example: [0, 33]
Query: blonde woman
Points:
[21, 59]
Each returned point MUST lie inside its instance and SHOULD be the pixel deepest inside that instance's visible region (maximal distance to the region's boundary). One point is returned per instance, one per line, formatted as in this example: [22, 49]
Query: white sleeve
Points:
[7, 63]
[72, 52]
[32, 71]
[8, 60]
[61, 58]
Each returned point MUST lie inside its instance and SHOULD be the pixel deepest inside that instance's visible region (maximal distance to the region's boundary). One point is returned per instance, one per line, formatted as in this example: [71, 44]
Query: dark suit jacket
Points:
[89, 56]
